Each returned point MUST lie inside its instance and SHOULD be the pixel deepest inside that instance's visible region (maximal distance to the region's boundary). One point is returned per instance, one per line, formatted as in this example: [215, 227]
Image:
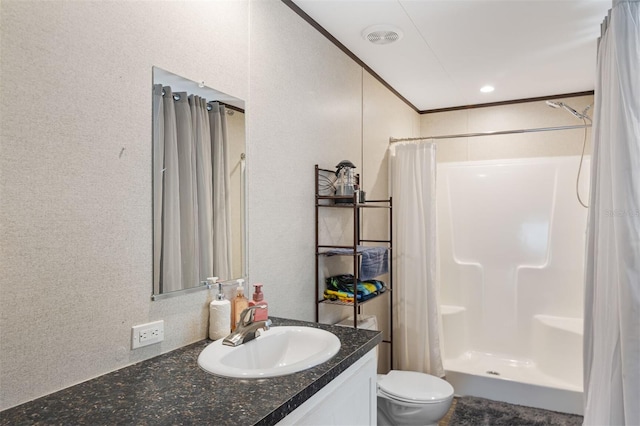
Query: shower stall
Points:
[512, 241]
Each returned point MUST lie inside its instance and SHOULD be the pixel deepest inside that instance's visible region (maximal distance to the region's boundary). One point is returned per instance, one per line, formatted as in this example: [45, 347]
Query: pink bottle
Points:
[258, 299]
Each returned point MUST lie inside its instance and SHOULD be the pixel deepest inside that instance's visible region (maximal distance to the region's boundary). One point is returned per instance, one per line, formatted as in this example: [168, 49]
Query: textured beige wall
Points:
[76, 252]
[75, 208]
[508, 117]
[309, 98]
[319, 109]
[385, 115]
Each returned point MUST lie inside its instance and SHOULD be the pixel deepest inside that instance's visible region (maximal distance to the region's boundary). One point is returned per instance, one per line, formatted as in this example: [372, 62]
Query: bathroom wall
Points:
[508, 117]
[306, 108]
[76, 179]
[75, 168]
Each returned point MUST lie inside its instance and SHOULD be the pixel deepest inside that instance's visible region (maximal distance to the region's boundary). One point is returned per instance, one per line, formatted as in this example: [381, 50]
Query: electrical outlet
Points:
[147, 334]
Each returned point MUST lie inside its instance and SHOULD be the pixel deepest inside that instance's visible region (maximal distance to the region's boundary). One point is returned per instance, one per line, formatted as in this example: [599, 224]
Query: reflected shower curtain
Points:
[418, 345]
[188, 201]
[204, 186]
[612, 278]
[190, 190]
[167, 228]
[222, 264]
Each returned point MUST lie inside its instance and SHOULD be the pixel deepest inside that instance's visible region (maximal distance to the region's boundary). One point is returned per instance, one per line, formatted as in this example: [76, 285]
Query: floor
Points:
[445, 419]
[473, 411]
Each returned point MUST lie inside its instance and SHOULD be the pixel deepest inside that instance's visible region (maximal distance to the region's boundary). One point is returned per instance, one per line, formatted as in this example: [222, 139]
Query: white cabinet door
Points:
[350, 399]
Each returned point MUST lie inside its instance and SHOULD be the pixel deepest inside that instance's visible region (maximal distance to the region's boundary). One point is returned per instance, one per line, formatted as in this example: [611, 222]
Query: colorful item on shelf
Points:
[346, 297]
[341, 286]
[338, 295]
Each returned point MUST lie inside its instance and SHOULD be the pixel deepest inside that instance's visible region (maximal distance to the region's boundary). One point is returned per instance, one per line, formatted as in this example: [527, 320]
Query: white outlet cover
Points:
[147, 334]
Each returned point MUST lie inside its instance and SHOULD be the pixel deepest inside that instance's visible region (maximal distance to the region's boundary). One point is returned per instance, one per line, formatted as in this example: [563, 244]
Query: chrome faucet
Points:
[246, 327]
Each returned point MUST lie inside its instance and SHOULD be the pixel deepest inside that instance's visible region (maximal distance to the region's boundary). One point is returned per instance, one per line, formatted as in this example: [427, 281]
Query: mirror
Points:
[198, 185]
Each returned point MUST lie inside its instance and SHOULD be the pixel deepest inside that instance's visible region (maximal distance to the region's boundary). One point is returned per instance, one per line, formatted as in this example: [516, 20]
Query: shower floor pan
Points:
[513, 381]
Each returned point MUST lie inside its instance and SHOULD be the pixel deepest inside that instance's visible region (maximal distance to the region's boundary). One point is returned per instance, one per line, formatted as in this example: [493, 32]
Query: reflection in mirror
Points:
[198, 184]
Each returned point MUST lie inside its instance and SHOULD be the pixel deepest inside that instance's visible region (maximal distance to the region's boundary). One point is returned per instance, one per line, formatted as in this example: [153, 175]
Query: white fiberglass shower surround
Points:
[512, 242]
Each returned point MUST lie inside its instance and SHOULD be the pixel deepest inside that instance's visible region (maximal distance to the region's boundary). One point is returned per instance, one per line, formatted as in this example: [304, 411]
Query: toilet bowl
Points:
[407, 397]
[412, 398]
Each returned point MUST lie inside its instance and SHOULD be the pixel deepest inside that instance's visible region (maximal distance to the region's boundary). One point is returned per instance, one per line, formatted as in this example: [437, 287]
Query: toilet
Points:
[407, 397]
[412, 398]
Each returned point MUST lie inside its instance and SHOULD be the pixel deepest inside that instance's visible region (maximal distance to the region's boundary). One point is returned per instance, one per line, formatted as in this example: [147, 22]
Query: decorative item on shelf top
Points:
[345, 183]
[340, 287]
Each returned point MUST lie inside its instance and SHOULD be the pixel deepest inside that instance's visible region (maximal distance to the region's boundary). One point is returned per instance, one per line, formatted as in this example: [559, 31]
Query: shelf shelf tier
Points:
[353, 203]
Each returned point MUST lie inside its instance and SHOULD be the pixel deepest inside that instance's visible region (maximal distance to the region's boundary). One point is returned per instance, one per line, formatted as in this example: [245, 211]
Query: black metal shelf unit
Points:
[352, 202]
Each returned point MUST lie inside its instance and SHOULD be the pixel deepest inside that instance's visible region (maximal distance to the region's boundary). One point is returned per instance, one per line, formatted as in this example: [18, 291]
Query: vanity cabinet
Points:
[349, 399]
[326, 199]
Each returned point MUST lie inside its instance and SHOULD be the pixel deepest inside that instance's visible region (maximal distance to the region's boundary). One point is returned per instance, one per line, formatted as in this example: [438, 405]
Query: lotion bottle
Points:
[240, 303]
[219, 314]
[258, 299]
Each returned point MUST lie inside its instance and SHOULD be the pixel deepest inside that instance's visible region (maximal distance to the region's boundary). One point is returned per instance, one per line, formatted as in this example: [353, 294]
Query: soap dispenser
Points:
[240, 303]
[219, 314]
[258, 299]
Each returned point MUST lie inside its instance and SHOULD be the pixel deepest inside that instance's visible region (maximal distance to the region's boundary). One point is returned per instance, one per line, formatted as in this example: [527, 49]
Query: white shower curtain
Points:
[418, 329]
[612, 279]
[191, 191]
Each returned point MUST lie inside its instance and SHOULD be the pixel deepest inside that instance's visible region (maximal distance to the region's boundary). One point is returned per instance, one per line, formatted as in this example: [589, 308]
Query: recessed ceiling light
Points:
[487, 89]
[382, 34]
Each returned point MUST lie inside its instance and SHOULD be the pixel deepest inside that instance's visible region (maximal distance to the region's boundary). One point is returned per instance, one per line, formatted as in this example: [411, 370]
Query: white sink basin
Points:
[276, 352]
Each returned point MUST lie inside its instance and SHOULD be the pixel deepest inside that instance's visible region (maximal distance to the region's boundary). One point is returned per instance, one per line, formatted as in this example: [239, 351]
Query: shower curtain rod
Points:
[176, 97]
[499, 132]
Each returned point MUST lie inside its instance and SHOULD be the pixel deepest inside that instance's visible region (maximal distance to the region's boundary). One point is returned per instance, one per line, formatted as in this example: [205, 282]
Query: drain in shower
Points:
[493, 373]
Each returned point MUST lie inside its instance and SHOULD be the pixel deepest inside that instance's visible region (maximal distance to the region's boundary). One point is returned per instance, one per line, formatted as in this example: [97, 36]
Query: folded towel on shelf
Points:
[339, 251]
[374, 260]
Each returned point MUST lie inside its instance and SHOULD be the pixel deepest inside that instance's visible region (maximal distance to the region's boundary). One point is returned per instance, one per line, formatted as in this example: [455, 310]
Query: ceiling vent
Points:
[382, 34]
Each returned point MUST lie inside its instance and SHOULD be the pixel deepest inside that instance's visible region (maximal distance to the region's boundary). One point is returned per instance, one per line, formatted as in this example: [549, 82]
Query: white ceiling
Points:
[451, 48]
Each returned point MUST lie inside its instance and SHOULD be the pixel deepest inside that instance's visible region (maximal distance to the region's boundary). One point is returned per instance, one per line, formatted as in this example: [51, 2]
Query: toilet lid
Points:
[412, 386]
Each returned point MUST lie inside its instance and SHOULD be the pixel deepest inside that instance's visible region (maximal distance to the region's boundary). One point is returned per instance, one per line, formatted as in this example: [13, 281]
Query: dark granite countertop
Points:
[171, 389]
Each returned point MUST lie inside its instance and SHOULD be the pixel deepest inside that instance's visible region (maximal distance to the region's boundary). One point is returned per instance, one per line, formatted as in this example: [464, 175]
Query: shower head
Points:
[567, 108]
[571, 110]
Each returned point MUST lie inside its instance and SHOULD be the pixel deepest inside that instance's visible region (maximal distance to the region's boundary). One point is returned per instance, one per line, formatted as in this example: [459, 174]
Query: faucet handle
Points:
[250, 311]
[267, 325]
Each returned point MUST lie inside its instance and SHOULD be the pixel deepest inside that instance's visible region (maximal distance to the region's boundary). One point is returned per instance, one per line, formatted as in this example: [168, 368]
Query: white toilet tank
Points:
[365, 322]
